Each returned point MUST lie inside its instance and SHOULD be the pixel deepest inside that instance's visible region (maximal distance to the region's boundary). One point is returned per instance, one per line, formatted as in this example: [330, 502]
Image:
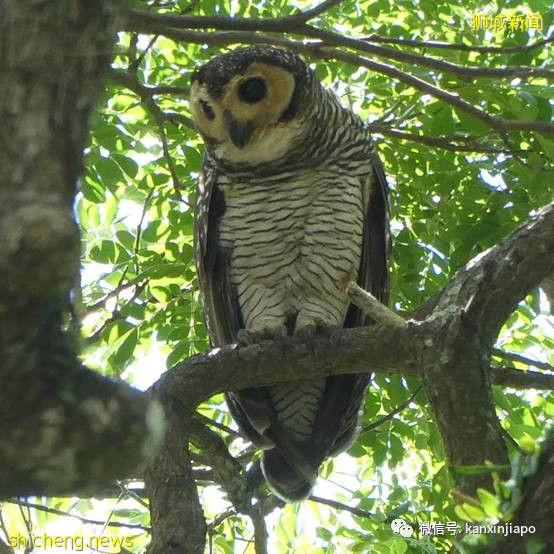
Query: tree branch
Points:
[178, 524]
[460, 46]
[329, 38]
[63, 428]
[518, 263]
[514, 357]
[515, 378]
[227, 469]
[437, 142]
[138, 21]
[341, 506]
[315, 11]
[445, 348]
[54, 511]
[319, 51]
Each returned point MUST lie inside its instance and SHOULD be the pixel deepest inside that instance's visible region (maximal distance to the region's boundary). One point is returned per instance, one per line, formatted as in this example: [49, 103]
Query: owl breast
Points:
[294, 246]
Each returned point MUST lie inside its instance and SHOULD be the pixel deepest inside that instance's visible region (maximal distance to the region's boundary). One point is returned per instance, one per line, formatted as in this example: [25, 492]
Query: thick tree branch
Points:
[64, 428]
[227, 469]
[515, 378]
[178, 524]
[466, 320]
[518, 263]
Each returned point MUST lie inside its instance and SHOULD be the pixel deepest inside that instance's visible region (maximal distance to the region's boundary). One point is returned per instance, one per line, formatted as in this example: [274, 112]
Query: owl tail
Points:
[288, 480]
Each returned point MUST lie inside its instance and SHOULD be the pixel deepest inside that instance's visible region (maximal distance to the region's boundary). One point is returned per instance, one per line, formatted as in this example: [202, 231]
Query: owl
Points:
[292, 204]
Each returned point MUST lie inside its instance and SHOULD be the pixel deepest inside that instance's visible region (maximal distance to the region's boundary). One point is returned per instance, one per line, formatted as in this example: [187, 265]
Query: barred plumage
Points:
[292, 205]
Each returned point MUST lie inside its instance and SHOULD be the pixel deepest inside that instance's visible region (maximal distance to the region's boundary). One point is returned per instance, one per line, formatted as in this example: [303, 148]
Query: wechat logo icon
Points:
[401, 527]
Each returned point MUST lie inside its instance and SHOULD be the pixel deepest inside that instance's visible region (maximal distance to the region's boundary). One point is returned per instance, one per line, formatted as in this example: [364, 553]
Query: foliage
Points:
[140, 308]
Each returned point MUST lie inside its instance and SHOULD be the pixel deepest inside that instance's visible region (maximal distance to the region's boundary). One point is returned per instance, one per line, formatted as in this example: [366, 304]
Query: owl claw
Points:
[246, 337]
[308, 334]
[311, 331]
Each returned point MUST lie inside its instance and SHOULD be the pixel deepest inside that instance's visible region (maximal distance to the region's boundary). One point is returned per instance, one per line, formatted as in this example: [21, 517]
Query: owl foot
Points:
[246, 337]
[312, 331]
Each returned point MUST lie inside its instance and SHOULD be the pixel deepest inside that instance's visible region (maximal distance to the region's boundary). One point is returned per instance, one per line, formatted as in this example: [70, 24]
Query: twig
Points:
[497, 123]
[112, 511]
[315, 11]
[218, 520]
[116, 312]
[141, 221]
[390, 111]
[134, 494]
[135, 63]
[101, 304]
[438, 142]
[217, 425]
[519, 358]
[340, 506]
[391, 414]
[27, 520]
[80, 518]
[124, 79]
[146, 93]
[173, 90]
[260, 529]
[372, 307]
[459, 46]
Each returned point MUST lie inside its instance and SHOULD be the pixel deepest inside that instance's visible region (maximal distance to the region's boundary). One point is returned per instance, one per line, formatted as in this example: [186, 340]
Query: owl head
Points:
[248, 104]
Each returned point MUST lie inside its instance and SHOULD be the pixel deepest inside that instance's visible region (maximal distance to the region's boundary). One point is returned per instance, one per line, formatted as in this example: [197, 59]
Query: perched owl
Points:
[291, 206]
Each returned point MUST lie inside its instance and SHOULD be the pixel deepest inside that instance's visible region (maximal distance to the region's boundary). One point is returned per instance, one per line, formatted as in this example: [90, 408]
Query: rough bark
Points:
[466, 321]
[63, 428]
[178, 524]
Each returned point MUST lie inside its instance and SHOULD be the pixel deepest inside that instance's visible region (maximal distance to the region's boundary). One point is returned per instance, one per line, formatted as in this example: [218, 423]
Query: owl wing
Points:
[220, 301]
[222, 313]
[338, 415]
[373, 275]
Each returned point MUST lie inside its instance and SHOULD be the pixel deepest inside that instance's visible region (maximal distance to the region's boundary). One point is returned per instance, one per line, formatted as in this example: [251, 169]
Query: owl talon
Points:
[247, 337]
[308, 334]
[335, 337]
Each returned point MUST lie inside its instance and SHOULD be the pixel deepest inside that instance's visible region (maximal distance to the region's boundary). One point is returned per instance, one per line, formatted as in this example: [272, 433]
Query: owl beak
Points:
[239, 131]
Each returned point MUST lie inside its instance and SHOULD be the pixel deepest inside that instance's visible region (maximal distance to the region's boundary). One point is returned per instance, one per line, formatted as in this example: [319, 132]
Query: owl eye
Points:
[252, 90]
[207, 109]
